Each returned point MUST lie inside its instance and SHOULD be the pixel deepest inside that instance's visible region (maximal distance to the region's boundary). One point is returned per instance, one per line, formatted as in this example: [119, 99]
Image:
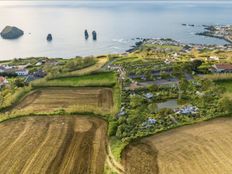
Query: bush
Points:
[15, 97]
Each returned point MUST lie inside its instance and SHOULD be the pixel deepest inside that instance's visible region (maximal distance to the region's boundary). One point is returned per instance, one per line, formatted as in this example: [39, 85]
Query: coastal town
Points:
[218, 31]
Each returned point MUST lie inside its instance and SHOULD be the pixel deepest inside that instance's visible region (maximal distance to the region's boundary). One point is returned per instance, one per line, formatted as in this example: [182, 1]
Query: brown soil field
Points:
[203, 148]
[50, 99]
[58, 144]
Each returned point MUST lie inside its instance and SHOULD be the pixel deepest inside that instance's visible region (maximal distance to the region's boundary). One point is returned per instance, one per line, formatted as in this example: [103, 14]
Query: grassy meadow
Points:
[101, 79]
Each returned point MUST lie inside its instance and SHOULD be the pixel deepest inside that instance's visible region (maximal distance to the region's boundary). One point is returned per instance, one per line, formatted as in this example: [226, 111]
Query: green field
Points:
[102, 79]
[171, 47]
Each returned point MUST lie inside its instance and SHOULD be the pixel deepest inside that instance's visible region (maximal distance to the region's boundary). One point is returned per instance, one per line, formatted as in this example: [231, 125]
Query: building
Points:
[222, 68]
[149, 95]
[213, 58]
[22, 72]
[38, 64]
[29, 78]
[3, 81]
[2, 69]
[39, 73]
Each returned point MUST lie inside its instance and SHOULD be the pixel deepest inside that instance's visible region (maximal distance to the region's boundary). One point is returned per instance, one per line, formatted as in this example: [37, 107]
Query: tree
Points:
[177, 72]
[183, 84]
[152, 88]
[19, 82]
[1, 99]
[153, 108]
[136, 100]
[225, 104]
[206, 84]
[195, 64]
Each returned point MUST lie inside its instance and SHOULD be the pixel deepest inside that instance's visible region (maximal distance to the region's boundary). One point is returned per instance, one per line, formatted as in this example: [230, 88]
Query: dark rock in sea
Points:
[11, 32]
[130, 50]
[86, 34]
[138, 43]
[94, 33]
[184, 24]
[191, 25]
[136, 46]
[49, 37]
[211, 28]
[205, 26]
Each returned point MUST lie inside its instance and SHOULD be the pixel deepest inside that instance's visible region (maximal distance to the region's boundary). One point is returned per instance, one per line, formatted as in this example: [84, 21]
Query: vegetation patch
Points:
[101, 79]
[77, 67]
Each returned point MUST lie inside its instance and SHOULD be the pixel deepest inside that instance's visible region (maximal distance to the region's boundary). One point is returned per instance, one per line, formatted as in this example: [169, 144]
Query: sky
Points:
[117, 0]
[37, 2]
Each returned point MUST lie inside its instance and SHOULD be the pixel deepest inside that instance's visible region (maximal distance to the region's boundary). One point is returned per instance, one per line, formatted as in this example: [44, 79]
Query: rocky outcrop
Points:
[94, 33]
[86, 34]
[11, 32]
[49, 37]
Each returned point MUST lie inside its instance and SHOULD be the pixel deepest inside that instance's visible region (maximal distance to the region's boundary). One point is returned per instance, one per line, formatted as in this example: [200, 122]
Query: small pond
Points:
[170, 104]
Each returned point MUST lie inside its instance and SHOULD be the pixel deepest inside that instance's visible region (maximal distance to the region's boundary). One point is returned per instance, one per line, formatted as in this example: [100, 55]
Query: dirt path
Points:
[112, 163]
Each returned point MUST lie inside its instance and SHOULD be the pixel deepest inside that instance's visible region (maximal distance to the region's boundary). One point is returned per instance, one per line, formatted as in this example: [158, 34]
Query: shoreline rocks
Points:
[49, 37]
[11, 32]
[86, 34]
[219, 32]
[189, 25]
[94, 34]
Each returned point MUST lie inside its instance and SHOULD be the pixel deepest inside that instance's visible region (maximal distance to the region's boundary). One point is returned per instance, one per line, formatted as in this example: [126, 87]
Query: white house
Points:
[22, 72]
[149, 95]
[187, 110]
[38, 64]
[213, 58]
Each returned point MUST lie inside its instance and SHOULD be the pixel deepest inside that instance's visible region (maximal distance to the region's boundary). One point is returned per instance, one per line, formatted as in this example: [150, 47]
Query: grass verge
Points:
[117, 147]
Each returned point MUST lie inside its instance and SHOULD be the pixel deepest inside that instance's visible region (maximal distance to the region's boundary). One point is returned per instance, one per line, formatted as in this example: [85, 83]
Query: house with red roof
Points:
[222, 68]
[3, 81]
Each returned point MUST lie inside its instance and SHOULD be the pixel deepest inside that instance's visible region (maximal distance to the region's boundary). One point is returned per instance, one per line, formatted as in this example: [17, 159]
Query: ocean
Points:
[117, 25]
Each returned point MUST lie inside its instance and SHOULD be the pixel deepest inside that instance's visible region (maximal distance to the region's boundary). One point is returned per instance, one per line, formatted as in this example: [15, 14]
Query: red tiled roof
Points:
[2, 79]
[224, 66]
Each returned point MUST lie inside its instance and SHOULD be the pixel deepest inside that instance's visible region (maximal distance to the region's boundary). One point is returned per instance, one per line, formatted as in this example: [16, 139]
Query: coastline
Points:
[219, 32]
[208, 34]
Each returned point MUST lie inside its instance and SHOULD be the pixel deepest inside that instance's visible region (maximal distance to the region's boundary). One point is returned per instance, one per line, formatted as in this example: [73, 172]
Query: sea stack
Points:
[49, 37]
[11, 32]
[86, 34]
[94, 33]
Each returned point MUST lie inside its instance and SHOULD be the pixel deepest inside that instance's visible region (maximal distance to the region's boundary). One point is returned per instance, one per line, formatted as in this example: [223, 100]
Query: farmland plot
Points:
[50, 99]
[203, 148]
[62, 144]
